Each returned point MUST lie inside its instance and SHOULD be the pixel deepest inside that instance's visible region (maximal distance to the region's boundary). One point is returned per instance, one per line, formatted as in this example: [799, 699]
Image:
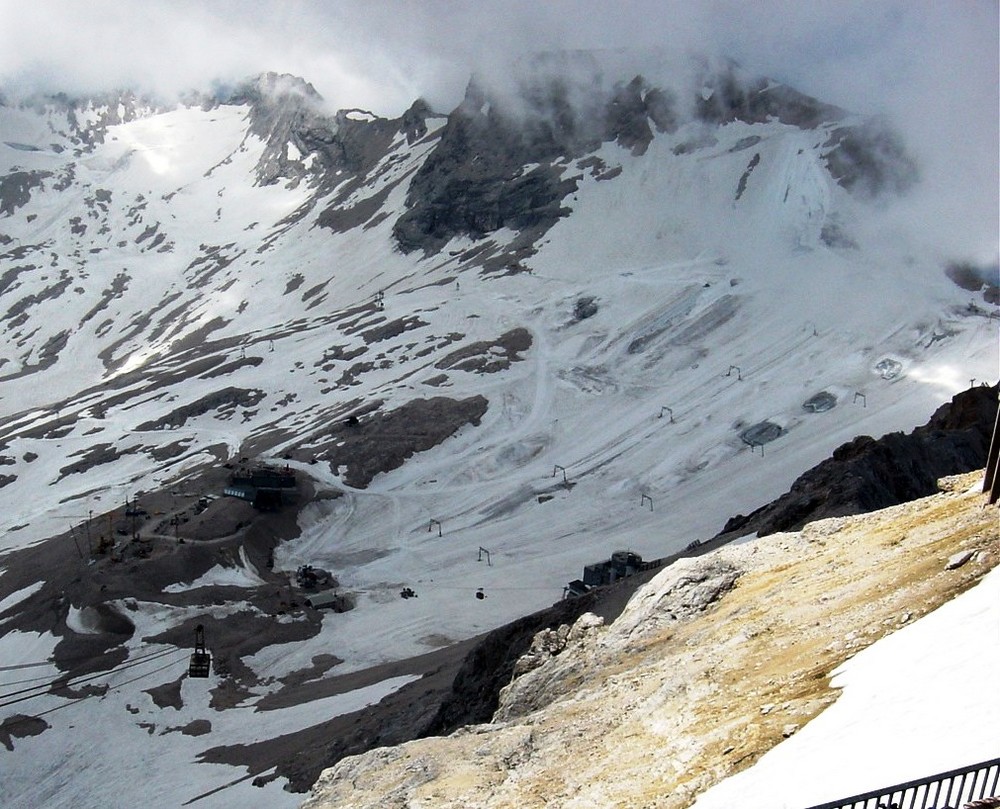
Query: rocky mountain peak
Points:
[727, 93]
[306, 141]
[414, 121]
[475, 182]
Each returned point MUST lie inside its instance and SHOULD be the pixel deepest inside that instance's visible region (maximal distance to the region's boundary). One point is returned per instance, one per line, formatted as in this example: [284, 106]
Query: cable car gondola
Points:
[201, 660]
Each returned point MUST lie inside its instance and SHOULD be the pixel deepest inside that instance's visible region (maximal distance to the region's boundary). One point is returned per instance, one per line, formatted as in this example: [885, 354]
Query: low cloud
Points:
[929, 67]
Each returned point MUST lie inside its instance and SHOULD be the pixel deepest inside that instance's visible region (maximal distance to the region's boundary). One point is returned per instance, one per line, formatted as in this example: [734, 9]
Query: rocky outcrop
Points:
[714, 662]
[16, 187]
[490, 665]
[487, 357]
[976, 278]
[552, 668]
[631, 108]
[301, 140]
[82, 122]
[475, 181]
[413, 123]
[727, 94]
[869, 160]
[867, 474]
[864, 156]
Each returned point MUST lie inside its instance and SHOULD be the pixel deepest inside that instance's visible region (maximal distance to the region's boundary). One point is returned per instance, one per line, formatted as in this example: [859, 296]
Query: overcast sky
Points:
[929, 65]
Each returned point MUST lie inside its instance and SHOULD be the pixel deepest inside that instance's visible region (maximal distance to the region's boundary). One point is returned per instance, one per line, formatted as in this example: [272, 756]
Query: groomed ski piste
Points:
[718, 308]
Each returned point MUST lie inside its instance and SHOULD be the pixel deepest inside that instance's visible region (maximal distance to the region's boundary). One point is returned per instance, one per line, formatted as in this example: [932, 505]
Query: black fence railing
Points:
[947, 790]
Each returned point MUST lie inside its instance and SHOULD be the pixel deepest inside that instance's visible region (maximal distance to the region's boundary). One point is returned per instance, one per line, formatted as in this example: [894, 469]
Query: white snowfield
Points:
[713, 314]
[243, 574]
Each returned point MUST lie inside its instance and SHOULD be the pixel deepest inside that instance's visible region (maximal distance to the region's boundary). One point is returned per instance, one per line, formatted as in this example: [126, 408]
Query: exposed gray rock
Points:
[286, 110]
[559, 660]
[976, 278]
[537, 680]
[381, 441]
[88, 117]
[833, 234]
[728, 95]
[869, 159]
[224, 401]
[958, 559]
[487, 357]
[15, 189]
[414, 121]
[741, 186]
[629, 111]
[686, 588]
[474, 183]
[584, 308]
[20, 726]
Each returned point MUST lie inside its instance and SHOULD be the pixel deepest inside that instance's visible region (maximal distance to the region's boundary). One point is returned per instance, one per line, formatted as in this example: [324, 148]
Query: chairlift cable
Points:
[75, 700]
[83, 678]
[26, 680]
[73, 682]
[69, 659]
[31, 665]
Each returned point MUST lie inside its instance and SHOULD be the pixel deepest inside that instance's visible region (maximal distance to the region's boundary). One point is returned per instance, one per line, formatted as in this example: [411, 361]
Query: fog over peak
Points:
[930, 68]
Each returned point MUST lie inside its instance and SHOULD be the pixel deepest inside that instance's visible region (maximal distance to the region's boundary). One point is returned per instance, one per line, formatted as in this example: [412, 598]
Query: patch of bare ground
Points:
[175, 537]
[20, 726]
[381, 441]
[487, 357]
[659, 706]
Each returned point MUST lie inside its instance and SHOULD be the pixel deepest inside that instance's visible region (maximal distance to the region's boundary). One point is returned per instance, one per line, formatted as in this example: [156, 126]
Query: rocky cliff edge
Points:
[710, 665]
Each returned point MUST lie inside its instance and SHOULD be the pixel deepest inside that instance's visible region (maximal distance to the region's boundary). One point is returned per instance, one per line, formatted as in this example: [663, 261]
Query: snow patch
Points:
[83, 621]
[241, 575]
[20, 595]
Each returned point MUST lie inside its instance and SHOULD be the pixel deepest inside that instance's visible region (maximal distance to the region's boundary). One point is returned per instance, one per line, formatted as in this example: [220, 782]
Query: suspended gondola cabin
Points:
[201, 660]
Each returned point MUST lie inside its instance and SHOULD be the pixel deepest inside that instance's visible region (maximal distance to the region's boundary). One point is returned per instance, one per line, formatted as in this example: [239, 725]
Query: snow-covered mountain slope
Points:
[494, 345]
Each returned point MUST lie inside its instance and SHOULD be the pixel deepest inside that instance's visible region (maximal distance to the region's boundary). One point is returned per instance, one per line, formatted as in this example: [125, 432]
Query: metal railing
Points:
[947, 790]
